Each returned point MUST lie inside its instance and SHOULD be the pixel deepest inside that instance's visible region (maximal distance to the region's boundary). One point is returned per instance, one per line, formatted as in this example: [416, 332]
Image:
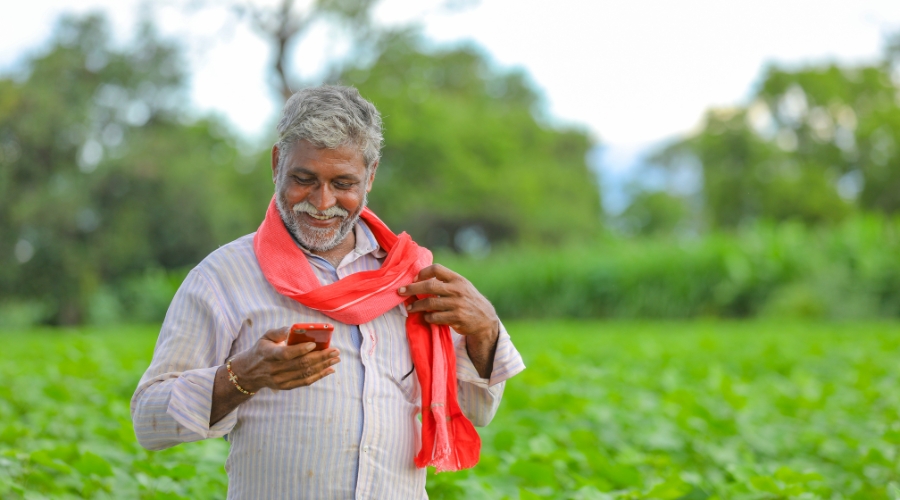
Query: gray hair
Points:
[331, 116]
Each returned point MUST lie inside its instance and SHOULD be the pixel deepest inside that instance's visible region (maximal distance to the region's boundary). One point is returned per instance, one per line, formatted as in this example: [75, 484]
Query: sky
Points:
[635, 74]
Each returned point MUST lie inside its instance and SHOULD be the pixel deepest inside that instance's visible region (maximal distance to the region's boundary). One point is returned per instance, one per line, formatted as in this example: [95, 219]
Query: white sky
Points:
[634, 73]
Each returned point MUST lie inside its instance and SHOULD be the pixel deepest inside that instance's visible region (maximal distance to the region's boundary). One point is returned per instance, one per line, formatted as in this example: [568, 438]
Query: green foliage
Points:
[66, 430]
[814, 144]
[464, 150]
[109, 190]
[101, 180]
[654, 213]
[850, 271]
[703, 410]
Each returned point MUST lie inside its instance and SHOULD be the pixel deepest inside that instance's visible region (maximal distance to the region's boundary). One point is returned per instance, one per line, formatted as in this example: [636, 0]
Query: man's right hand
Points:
[274, 364]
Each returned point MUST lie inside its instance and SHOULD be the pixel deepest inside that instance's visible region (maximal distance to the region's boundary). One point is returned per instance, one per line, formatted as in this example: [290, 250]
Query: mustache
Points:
[308, 208]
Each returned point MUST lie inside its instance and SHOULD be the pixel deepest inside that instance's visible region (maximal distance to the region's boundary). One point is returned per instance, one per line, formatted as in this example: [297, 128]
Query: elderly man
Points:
[411, 340]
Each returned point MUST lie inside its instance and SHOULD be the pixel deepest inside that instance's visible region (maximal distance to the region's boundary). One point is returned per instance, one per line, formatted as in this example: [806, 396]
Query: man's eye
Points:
[302, 180]
[343, 185]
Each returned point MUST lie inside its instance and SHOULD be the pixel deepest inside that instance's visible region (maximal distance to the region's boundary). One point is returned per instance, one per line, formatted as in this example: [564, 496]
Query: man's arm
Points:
[185, 395]
[479, 397]
[481, 349]
[171, 404]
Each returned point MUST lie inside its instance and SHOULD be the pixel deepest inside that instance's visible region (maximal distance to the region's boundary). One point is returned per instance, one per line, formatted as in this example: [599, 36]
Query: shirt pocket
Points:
[400, 365]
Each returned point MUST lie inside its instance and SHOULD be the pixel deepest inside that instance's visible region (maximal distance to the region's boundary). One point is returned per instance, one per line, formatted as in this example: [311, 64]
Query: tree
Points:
[283, 26]
[653, 213]
[813, 144]
[465, 161]
[100, 176]
[104, 177]
[478, 124]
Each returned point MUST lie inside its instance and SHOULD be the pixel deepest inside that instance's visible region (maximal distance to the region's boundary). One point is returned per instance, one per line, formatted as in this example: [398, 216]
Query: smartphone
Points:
[320, 333]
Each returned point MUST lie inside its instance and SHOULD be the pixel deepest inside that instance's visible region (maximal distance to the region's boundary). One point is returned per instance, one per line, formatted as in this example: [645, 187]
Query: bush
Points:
[785, 270]
[776, 270]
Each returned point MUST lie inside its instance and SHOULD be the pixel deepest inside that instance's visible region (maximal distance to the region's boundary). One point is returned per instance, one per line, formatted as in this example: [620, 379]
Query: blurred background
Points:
[686, 213]
[573, 159]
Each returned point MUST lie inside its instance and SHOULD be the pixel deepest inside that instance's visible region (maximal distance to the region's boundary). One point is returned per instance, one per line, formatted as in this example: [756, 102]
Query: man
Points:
[342, 422]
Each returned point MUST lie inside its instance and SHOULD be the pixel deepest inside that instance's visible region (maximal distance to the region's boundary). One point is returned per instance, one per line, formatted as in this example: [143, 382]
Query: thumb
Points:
[276, 335]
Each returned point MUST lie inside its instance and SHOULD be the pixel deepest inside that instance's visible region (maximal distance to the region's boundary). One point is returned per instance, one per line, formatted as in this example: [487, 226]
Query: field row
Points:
[605, 410]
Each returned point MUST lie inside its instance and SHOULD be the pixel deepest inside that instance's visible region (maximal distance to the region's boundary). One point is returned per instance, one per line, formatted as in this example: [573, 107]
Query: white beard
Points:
[317, 239]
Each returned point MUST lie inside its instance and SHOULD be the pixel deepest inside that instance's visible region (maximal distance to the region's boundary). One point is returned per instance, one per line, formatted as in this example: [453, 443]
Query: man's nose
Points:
[322, 198]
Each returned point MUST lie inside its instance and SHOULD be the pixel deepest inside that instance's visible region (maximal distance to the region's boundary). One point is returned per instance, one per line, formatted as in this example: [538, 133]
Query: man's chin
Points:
[317, 239]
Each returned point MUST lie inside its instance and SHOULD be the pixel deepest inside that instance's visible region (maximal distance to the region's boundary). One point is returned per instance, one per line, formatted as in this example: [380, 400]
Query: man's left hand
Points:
[455, 302]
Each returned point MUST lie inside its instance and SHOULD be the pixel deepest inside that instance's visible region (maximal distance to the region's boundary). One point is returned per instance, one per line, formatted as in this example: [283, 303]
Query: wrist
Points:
[238, 378]
[488, 337]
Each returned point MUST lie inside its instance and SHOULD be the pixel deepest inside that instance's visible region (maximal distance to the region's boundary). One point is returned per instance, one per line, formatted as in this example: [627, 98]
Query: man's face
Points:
[320, 192]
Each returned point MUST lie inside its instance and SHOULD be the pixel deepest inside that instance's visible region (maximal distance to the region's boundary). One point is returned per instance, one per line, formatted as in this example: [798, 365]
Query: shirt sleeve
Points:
[173, 400]
[479, 397]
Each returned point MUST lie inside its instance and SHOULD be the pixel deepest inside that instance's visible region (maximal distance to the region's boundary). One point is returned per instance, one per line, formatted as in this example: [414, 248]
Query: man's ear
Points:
[276, 154]
[371, 178]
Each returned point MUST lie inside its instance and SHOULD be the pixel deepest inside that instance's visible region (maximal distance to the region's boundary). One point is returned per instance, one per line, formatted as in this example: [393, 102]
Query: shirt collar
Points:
[365, 244]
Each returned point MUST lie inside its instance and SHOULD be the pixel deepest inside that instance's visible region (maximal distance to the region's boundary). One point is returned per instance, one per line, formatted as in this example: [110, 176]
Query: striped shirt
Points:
[353, 434]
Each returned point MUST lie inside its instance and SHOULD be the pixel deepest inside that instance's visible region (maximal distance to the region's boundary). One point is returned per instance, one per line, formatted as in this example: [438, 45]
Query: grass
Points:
[606, 410]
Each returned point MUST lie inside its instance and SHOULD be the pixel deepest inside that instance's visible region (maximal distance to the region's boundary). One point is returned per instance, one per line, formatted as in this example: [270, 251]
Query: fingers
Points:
[272, 345]
[297, 350]
[280, 352]
[306, 370]
[431, 304]
[271, 363]
[442, 318]
[429, 287]
[436, 271]
[293, 384]
[432, 280]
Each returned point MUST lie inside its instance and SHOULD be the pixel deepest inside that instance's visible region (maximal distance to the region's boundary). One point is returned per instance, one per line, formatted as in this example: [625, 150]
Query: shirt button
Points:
[365, 449]
[369, 400]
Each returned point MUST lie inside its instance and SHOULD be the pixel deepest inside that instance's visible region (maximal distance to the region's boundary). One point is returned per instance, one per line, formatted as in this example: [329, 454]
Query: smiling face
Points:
[320, 193]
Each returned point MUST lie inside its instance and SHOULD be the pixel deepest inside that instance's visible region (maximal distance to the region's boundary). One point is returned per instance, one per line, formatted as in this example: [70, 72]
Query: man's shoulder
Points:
[225, 259]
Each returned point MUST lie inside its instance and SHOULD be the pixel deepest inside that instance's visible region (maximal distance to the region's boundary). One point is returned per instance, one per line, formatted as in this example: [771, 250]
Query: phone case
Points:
[320, 333]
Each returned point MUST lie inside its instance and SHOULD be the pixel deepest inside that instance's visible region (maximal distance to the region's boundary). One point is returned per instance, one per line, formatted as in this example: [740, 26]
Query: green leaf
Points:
[43, 457]
[765, 483]
[670, 490]
[182, 471]
[503, 440]
[524, 494]
[534, 473]
[91, 463]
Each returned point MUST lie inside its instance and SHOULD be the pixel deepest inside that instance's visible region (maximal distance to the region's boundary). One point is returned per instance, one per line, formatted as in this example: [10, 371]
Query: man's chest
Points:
[375, 353]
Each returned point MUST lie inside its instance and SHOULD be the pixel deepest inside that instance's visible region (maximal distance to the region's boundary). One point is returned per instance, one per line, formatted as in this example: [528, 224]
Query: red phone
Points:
[320, 333]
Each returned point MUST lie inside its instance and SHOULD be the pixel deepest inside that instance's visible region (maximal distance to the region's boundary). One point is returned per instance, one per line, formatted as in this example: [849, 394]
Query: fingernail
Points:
[334, 354]
[408, 307]
[402, 289]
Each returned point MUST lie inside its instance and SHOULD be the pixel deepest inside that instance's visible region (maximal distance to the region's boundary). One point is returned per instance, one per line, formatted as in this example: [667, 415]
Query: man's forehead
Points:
[343, 160]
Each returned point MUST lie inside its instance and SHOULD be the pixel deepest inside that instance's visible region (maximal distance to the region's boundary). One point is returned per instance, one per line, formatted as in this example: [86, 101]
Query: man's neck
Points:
[337, 254]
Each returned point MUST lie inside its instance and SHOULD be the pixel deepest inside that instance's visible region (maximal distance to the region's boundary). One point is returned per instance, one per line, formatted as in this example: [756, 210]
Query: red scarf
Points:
[449, 440]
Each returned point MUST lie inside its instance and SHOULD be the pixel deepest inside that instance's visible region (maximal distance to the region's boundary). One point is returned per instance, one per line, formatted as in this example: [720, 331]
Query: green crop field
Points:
[606, 410]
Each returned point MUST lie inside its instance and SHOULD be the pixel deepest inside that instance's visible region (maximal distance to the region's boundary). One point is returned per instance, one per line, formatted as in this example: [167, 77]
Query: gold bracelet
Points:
[233, 378]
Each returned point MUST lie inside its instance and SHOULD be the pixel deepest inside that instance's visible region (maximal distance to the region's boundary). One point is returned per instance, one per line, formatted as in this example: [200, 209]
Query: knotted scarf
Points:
[449, 440]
